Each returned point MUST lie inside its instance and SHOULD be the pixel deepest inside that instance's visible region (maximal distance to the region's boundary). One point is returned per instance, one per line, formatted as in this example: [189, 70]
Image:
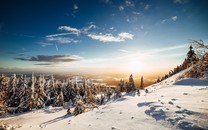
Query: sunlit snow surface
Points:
[171, 104]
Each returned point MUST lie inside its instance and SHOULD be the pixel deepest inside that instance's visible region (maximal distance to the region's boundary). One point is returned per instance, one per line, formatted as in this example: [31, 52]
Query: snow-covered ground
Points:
[170, 104]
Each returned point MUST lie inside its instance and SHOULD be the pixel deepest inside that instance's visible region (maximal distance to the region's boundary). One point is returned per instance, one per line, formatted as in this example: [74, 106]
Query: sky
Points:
[99, 36]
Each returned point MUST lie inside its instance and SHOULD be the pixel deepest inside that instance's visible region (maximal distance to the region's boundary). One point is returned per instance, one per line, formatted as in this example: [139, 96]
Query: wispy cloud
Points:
[136, 13]
[122, 50]
[121, 8]
[174, 18]
[59, 34]
[180, 1]
[62, 40]
[75, 7]
[44, 44]
[110, 38]
[70, 29]
[52, 58]
[146, 7]
[86, 29]
[56, 47]
[44, 64]
[142, 26]
[129, 3]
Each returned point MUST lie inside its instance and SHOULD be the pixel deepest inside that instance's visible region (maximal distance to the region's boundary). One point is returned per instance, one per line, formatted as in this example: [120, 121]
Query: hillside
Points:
[167, 105]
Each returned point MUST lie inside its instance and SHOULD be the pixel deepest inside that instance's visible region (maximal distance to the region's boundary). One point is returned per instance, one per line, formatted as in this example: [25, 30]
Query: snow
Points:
[171, 104]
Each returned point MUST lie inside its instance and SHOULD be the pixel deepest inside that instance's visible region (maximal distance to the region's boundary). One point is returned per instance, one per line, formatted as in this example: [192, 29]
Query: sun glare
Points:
[135, 66]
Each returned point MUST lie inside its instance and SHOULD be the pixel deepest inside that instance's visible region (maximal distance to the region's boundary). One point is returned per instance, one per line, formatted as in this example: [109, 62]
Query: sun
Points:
[134, 66]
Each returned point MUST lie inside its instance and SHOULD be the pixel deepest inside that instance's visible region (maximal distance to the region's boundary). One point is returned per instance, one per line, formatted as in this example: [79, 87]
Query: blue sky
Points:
[99, 35]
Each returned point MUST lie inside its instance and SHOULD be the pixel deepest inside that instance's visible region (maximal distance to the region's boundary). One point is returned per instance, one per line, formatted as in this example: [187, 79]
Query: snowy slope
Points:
[166, 106]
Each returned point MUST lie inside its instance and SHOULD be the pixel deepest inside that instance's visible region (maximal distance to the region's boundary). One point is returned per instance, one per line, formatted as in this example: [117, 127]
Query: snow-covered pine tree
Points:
[131, 85]
[58, 98]
[23, 95]
[11, 91]
[50, 91]
[40, 95]
[3, 90]
[121, 85]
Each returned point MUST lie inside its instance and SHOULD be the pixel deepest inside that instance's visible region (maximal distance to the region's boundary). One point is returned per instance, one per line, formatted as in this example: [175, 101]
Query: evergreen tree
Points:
[121, 85]
[3, 90]
[11, 91]
[131, 83]
[141, 83]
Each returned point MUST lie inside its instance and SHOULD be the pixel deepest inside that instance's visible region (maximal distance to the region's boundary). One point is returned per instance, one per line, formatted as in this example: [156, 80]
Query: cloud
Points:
[128, 20]
[136, 13]
[122, 50]
[86, 29]
[110, 38]
[180, 1]
[56, 48]
[59, 34]
[62, 40]
[53, 58]
[129, 3]
[70, 29]
[142, 26]
[125, 35]
[111, 28]
[44, 44]
[146, 7]
[174, 18]
[106, 1]
[121, 8]
[164, 20]
[75, 7]
[44, 64]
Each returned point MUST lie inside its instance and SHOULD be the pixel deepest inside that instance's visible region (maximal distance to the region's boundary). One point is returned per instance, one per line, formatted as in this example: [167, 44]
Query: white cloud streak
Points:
[110, 38]
[173, 18]
[70, 29]
[122, 50]
[86, 29]
[62, 40]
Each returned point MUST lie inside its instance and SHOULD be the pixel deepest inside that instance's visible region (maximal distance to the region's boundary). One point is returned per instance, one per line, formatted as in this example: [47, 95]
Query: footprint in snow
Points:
[170, 103]
[113, 128]
[173, 99]
[178, 107]
[185, 93]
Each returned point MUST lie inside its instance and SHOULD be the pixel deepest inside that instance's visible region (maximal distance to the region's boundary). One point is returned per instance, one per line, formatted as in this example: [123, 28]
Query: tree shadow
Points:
[156, 114]
[132, 93]
[144, 104]
[56, 120]
[189, 126]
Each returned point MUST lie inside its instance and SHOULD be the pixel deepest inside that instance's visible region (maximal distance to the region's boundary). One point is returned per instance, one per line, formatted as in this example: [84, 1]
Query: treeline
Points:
[198, 61]
[23, 94]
